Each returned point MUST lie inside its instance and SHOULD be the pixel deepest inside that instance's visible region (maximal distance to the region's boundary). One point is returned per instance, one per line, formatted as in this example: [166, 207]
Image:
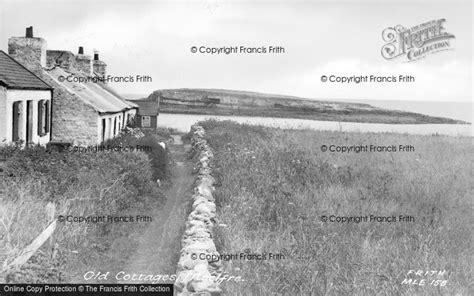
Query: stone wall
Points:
[99, 67]
[73, 120]
[194, 276]
[30, 52]
[62, 58]
[84, 64]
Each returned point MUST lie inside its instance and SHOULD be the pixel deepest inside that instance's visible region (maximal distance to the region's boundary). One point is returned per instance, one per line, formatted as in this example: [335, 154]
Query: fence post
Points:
[38, 241]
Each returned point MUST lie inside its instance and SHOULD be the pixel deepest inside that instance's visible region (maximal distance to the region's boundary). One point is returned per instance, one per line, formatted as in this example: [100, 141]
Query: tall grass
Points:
[273, 187]
[78, 184]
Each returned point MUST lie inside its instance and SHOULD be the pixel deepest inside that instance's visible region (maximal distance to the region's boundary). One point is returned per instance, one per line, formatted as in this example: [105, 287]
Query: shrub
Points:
[79, 184]
[149, 142]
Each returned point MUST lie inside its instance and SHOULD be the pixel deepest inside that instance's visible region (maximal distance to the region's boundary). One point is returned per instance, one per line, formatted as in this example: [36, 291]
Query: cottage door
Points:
[29, 122]
[16, 121]
[103, 130]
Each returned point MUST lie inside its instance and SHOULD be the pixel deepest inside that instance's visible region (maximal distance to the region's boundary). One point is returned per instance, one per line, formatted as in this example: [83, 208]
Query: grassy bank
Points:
[79, 184]
[274, 186]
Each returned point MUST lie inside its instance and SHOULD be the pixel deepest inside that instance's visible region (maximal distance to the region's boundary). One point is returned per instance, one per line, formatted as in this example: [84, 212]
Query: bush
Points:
[79, 184]
[149, 142]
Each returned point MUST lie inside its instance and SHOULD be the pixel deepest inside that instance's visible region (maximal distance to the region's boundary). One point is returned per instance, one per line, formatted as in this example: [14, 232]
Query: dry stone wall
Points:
[194, 273]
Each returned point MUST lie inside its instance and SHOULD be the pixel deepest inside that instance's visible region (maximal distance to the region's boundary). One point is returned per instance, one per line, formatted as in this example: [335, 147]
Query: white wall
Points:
[109, 124]
[13, 95]
[3, 114]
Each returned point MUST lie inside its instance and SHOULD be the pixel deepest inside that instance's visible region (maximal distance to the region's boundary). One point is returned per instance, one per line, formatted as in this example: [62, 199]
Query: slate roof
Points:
[14, 76]
[146, 107]
[98, 95]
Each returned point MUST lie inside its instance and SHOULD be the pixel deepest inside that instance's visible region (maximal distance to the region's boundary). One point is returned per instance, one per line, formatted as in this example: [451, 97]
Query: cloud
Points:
[321, 38]
[449, 81]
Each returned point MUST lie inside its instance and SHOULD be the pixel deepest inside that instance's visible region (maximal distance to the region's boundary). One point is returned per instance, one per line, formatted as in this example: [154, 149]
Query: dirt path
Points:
[159, 246]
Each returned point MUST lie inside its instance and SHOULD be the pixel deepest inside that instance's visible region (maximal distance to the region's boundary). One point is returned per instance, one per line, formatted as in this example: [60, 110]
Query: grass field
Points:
[274, 186]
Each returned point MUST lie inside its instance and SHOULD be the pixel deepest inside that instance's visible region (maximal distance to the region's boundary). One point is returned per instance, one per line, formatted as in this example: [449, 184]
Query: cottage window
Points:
[40, 118]
[47, 116]
[146, 121]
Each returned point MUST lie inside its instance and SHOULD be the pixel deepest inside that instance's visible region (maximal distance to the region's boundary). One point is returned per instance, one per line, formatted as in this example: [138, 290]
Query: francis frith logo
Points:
[416, 42]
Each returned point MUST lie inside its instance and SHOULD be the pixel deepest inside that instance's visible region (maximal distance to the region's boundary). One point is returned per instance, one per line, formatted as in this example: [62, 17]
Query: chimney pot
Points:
[81, 50]
[29, 32]
[96, 55]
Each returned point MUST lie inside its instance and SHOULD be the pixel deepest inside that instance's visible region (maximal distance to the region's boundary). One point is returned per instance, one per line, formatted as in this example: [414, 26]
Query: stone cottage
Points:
[147, 116]
[85, 111]
[25, 104]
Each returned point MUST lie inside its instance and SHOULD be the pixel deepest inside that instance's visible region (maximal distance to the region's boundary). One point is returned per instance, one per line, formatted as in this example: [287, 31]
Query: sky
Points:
[341, 38]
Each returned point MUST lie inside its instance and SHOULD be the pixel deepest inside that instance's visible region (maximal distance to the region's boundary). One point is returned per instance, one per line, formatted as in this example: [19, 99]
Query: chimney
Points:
[29, 32]
[29, 51]
[100, 68]
[84, 62]
[61, 58]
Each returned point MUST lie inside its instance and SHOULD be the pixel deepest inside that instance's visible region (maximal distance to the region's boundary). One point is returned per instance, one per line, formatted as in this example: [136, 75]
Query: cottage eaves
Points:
[98, 95]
